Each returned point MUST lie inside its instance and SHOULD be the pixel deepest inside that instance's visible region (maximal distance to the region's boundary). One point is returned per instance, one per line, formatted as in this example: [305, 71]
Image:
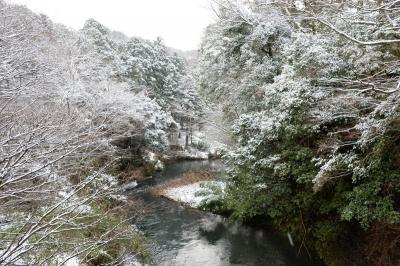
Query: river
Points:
[184, 236]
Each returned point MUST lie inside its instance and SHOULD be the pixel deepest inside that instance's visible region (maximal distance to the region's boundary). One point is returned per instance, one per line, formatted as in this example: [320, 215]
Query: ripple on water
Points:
[184, 236]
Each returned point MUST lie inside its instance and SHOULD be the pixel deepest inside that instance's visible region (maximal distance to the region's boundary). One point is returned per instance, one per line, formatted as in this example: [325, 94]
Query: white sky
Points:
[179, 22]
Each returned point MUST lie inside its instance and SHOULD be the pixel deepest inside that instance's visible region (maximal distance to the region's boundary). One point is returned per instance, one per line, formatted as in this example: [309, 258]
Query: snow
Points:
[192, 154]
[80, 90]
[159, 165]
[299, 5]
[185, 194]
[105, 181]
[130, 185]
[73, 202]
[151, 156]
[192, 194]
[71, 262]
[83, 209]
[5, 223]
[120, 198]
[131, 260]
[13, 255]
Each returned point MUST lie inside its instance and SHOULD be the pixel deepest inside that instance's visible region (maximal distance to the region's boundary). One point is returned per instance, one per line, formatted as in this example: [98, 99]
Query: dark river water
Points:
[185, 236]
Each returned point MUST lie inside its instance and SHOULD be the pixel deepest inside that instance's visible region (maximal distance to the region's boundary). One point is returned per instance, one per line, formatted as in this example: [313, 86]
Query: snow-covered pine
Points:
[65, 95]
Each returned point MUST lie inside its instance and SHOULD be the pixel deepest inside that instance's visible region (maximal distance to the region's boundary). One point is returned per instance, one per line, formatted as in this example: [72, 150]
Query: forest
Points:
[306, 91]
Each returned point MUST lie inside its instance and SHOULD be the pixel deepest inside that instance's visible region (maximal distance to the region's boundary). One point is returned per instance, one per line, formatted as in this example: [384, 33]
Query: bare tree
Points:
[50, 192]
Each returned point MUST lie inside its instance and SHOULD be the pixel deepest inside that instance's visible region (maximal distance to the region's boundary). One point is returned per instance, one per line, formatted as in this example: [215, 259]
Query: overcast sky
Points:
[179, 22]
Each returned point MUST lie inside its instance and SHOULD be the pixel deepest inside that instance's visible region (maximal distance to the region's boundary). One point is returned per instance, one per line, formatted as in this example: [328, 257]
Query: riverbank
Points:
[181, 235]
[192, 189]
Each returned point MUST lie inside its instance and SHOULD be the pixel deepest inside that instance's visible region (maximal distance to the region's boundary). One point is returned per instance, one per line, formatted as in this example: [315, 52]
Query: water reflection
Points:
[190, 237]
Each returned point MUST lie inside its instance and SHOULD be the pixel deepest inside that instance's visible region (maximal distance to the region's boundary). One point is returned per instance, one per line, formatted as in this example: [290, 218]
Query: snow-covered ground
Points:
[190, 154]
[194, 194]
[185, 194]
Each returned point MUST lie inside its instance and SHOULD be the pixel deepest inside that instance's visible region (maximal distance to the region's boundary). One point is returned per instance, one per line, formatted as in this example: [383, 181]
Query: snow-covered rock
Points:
[159, 166]
[130, 185]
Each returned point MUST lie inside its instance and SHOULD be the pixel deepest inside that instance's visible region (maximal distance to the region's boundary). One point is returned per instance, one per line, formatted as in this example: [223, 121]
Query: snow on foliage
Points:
[312, 90]
[65, 96]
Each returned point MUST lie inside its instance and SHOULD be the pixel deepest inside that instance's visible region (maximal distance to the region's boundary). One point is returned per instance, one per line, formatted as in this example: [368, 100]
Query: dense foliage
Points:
[146, 68]
[311, 88]
[314, 99]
